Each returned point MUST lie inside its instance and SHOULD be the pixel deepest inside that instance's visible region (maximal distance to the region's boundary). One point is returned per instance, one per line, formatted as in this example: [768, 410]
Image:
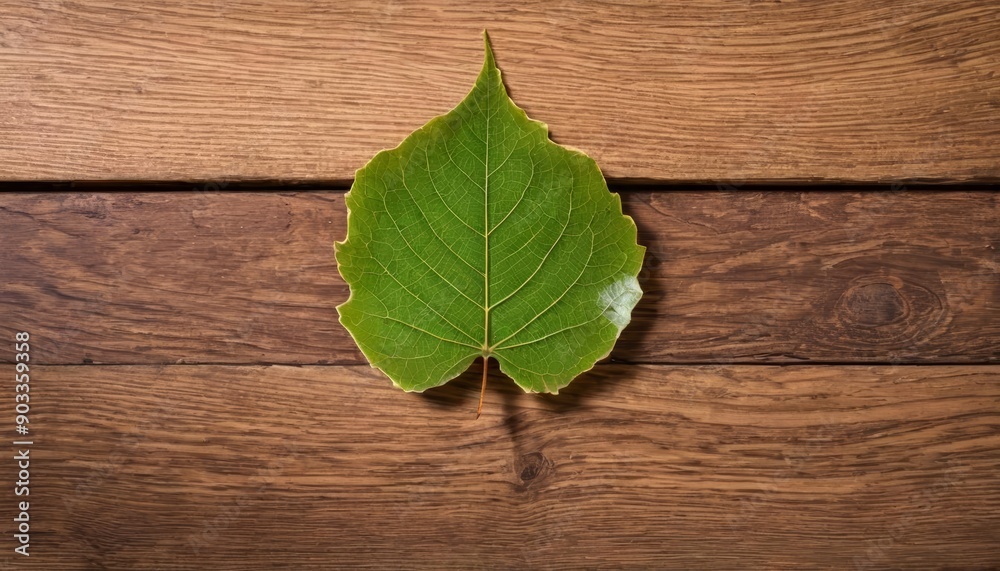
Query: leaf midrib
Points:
[487, 350]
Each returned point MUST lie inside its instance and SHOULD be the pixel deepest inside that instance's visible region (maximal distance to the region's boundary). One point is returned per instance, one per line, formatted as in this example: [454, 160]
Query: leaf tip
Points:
[488, 63]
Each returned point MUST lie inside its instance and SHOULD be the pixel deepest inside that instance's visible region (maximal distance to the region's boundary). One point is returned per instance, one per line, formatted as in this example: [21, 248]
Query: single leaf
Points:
[479, 237]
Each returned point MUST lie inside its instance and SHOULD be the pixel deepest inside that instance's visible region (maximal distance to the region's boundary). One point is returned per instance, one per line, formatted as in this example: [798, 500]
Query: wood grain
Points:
[709, 467]
[681, 91]
[776, 277]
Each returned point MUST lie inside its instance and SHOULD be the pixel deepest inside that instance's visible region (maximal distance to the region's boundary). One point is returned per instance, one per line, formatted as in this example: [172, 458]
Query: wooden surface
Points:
[710, 467]
[812, 379]
[297, 90]
[774, 277]
[143, 463]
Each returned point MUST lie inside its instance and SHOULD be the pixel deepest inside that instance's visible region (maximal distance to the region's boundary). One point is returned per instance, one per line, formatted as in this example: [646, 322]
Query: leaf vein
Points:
[569, 215]
[421, 300]
[424, 331]
[558, 299]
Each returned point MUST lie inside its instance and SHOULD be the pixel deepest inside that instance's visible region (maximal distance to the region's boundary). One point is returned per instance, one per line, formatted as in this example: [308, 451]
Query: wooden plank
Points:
[895, 277]
[754, 91]
[180, 467]
[772, 277]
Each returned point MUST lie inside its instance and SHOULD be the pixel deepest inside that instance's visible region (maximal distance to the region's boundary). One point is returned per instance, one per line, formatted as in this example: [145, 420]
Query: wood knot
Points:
[873, 305]
[879, 313]
[532, 466]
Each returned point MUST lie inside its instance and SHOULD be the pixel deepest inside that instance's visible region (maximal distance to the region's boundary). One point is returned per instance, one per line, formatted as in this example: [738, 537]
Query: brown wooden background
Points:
[812, 379]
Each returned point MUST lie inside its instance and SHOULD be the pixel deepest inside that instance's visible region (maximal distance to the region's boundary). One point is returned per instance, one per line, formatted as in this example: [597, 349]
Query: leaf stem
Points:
[482, 392]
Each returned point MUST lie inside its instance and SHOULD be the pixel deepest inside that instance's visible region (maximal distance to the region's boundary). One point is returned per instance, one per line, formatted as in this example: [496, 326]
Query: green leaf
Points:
[479, 237]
